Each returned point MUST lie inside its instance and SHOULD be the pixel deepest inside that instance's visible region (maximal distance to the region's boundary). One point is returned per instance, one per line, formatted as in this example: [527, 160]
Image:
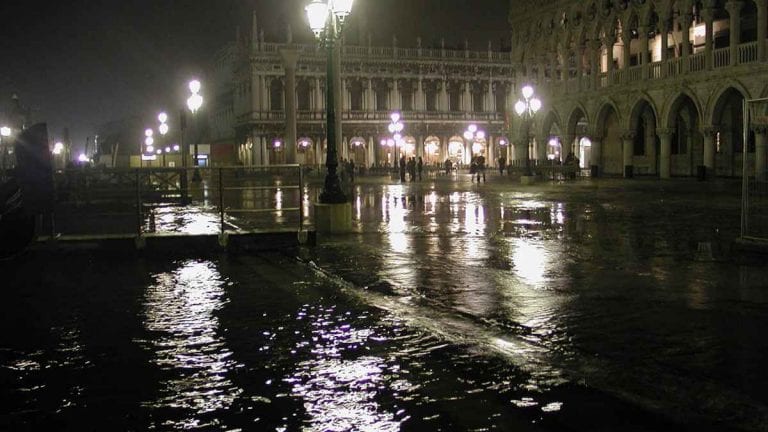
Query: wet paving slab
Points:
[452, 306]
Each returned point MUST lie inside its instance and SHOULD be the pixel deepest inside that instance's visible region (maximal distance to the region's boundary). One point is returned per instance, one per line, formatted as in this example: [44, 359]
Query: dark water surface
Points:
[450, 308]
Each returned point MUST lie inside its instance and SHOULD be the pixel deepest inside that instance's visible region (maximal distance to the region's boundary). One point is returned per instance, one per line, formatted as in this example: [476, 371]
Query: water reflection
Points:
[193, 220]
[180, 307]
[339, 392]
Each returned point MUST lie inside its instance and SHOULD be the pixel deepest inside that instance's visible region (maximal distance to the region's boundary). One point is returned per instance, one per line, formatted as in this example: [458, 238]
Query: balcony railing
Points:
[722, 57]
[748, 52]
[352, 51]
[374, 116]
[697, 62]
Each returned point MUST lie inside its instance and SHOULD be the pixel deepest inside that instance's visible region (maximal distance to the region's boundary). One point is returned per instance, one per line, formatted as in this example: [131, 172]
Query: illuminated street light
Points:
[194, 102]
[527, 109]
[327, 23]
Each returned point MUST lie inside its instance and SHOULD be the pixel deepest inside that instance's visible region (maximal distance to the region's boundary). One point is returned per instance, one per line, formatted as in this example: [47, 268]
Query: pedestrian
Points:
[473, 169]
[402, 168]
[351, 168]
[412, 168]
[448, 166]
[502, 165]
[480, 168]
[420, 167]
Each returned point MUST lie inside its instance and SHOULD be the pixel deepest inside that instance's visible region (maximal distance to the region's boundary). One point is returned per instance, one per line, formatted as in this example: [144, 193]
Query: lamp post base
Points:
[333, 218]
[332, 192]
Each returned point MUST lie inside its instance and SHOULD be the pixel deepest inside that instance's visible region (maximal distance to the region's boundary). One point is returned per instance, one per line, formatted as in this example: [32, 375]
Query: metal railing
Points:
[136, 201]
[754, 196]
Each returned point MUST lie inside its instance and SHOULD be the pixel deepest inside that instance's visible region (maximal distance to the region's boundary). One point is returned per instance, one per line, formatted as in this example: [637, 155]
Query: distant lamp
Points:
[162, 117]
[5, 131]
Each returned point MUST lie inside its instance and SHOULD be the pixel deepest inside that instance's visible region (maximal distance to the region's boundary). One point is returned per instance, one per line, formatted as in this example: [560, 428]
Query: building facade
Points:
[642, 87]
[438, 92]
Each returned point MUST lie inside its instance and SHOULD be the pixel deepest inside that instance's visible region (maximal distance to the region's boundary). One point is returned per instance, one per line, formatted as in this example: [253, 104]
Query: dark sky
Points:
[83, 63]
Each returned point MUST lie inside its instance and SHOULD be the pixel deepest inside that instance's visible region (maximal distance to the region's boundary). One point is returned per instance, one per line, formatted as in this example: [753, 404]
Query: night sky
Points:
[84, 63]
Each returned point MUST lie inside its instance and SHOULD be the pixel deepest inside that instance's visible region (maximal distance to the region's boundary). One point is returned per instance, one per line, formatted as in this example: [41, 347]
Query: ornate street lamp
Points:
[472, 135]
[527, 108]
[396, 129]
[327, 22]
[5, 132]
[163, 129]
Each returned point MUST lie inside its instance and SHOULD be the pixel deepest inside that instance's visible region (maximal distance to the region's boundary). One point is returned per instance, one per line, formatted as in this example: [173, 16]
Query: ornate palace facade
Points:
[645, 87]
[438, 93]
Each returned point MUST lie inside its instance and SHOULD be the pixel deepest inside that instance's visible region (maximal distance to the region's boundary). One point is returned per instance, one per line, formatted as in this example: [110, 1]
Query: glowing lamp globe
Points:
[317, 14]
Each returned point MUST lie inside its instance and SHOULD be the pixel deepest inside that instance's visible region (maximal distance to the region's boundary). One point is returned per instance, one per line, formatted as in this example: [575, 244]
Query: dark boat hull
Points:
[17, 229]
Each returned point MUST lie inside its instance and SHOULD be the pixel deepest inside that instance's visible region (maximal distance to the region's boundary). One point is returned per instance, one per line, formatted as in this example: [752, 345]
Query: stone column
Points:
[566, 146]
[420, 103]
[467, 97]
[664, 33]
[709, 148]
[594, 62]
[709, 46]
[396, 100]
[626, 41]
[444, 96]
[490, 105]
[762, 24]
[289, 58]
[609, 42]
[597, 155]
[644, 58]
[734, 10]
[255, 94]
[665, 152]
[370, 99]
[627, 153]
[318, 95]
[685, 24]
[760, 162]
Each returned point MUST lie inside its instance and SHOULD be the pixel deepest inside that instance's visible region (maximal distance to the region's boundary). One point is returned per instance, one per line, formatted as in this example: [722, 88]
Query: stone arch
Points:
[637, 110]
[609, 129]
[674, 103]
[550, 119]
[577, 114]
[432, 146]
[686, 142]
[727, 116]
[642, 126]
[716, 97]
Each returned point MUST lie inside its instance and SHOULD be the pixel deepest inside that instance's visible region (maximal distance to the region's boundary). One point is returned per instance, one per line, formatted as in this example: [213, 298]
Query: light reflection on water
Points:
[181, 309]
[187, 220]
[339, 391]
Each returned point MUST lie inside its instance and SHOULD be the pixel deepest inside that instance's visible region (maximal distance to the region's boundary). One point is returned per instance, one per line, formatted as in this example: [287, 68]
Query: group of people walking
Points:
[413, 166]
[477, 168]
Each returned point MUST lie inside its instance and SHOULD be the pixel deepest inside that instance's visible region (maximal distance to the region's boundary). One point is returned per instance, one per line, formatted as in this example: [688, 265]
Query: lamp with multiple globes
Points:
[527, 108]
[5, 132]
[473, 135]
[327, 23]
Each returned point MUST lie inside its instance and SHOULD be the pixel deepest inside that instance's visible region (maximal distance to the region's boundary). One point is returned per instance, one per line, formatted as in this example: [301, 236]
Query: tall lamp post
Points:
[396, 129]
[194, 102]
[163, 129]
[5, 132]
[327, 23]
[527, 108]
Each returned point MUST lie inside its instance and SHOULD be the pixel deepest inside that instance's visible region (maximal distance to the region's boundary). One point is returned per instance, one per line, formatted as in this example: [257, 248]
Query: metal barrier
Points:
[106, 202]
[754, 201]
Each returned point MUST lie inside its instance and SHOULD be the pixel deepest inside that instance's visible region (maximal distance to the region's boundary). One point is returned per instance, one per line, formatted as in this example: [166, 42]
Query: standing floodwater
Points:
[450, 308]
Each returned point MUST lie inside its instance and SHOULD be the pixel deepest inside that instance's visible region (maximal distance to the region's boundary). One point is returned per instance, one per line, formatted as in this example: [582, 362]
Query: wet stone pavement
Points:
[453, 306]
